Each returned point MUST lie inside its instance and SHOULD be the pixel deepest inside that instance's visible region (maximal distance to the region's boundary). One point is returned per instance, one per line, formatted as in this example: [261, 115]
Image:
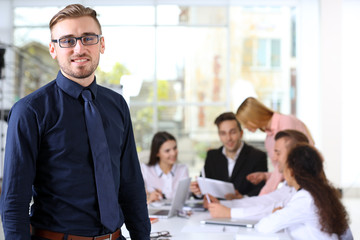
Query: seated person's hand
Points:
[212, 199]
[218, 210]
[154, 196]
[275, 209]
[231, 196]
[256, 177]
[194, 188]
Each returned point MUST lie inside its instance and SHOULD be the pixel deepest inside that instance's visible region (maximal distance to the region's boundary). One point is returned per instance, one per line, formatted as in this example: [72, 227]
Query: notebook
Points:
[177, 202]
[230, 222]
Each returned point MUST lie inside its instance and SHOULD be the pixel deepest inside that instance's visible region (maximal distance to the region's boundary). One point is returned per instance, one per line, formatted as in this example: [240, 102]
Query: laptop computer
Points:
[231, 222]
[177, 202]
[196, 206]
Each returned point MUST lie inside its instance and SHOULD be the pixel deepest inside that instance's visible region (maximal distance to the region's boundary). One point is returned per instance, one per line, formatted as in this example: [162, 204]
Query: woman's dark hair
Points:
[306, 163]
[158, 140]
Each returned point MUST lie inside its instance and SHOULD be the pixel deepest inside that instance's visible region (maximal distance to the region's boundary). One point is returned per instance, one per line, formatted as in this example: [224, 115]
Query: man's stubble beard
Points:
[83, 72]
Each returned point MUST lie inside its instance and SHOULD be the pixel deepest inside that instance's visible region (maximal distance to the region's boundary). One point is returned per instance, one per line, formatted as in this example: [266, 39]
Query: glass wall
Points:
[178, 67]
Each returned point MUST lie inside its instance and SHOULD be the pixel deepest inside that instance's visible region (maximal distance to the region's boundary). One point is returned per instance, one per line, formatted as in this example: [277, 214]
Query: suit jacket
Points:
[249, 160]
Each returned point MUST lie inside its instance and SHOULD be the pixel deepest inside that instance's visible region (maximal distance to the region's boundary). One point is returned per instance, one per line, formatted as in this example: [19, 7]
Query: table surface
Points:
[191, 228]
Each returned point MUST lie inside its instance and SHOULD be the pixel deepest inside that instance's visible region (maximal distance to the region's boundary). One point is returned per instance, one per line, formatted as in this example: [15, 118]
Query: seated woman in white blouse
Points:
[162, 174]
[315, 211]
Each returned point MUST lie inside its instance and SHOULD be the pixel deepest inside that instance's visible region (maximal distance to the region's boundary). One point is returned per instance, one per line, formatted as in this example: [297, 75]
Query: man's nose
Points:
[79, 46]
[228, 137]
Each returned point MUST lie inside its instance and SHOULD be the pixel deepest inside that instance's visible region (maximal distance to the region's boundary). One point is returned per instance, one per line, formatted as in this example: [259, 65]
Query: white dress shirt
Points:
[260, 206]
[155, 178]
[299, 217]
[231, 162]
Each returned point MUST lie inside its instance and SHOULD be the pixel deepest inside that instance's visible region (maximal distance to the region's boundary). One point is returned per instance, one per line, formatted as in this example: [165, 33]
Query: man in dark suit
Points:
[233, 161]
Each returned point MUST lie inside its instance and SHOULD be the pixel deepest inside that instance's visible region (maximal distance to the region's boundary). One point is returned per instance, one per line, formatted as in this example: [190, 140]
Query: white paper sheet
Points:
[214, 187]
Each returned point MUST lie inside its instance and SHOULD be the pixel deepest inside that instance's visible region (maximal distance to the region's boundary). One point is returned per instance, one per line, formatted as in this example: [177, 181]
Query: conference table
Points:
[191, 228]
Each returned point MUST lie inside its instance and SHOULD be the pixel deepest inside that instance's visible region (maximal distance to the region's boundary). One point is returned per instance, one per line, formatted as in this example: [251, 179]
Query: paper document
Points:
[214, 187]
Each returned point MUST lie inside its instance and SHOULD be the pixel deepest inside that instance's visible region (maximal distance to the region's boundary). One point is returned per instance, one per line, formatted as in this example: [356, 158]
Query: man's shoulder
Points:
[42, 92]
[253, 150]
[40, 95]
[214, 156]
[214, 151]
[108, 91]
[110, 94]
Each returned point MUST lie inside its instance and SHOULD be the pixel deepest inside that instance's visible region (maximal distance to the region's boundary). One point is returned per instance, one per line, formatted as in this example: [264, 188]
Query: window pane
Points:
[275, 52]
[33, 65]
[31, 16]
[194, 61]
[126, 15]
[142, 120]
[26, 35]
[129, 60]
[261, 53]
[260, 43]
[194, 15]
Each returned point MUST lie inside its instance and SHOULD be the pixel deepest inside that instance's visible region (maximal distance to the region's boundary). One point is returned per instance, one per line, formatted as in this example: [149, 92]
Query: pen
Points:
[162, 194]
[207, 197]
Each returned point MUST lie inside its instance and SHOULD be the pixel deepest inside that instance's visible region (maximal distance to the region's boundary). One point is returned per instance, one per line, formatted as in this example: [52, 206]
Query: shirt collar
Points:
[159, 172]
[237, 152]
[72, 88]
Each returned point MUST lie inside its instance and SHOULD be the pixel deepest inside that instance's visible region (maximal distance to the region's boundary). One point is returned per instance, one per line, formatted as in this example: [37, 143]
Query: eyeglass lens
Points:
[85, 40]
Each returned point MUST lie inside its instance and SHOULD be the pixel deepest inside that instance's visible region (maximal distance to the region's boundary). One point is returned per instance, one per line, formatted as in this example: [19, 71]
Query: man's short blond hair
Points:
[74, 11]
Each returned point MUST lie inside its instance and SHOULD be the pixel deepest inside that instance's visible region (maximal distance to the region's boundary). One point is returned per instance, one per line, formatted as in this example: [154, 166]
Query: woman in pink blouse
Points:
[162, 174]
[254, 115]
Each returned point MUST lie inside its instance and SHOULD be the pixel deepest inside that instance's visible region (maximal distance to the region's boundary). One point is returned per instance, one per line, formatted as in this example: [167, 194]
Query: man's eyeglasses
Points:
[69, 42]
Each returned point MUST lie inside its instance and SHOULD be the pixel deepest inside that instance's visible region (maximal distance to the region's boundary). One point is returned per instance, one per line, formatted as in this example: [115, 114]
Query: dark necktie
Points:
[108, 201]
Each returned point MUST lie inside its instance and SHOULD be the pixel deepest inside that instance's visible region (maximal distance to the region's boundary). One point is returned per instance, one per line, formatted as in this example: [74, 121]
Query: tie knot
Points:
[86, 95]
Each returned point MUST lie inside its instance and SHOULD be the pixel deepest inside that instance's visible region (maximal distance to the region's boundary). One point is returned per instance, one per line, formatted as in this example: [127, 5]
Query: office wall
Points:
[350, 97]
[329, 84]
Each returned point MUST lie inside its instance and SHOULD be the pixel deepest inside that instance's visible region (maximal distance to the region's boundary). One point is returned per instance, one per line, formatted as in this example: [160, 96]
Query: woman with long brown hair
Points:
[315, 211]
[162, 173]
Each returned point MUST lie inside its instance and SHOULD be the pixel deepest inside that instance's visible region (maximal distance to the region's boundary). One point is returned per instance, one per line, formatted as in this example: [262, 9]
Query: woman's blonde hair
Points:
[252, 110]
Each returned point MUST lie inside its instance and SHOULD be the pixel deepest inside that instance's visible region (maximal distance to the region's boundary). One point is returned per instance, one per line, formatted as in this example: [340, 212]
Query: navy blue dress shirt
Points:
[48, 157]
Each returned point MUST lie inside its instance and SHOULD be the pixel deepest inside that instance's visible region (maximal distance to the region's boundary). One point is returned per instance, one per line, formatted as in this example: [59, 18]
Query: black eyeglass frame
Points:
[157, 235]
[98, 37]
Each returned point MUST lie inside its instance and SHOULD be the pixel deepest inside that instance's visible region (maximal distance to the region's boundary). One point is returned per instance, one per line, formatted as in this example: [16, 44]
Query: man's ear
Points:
[52, 50]
[241, 133]
[102, 45]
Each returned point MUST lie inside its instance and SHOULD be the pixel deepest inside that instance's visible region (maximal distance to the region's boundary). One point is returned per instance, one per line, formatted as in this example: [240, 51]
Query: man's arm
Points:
[132, 190]
[19, 171]
[260, 165]
[259, 206]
